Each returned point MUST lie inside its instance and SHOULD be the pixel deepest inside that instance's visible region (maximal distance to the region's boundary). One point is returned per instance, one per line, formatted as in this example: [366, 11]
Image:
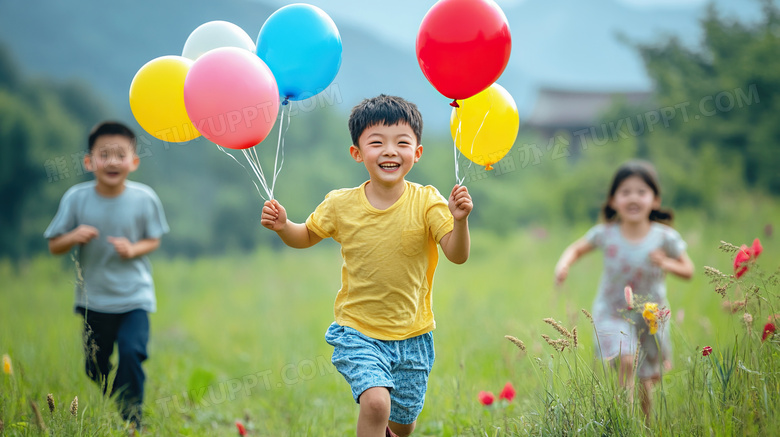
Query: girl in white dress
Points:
[639, 249]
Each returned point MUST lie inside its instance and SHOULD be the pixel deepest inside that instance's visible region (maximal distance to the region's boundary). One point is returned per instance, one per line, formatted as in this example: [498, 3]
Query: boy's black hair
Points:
[386, 110]
[647, 172]
[110, 128]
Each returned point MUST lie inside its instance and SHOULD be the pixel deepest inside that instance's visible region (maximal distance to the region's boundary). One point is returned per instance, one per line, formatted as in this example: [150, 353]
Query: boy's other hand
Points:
[460, 202]
[84, 234]
[274, 216]
[123, 246]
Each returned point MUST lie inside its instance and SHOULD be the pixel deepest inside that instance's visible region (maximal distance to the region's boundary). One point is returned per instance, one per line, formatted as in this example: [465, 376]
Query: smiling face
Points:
[112, 158]
[634, 199]
[388, 152]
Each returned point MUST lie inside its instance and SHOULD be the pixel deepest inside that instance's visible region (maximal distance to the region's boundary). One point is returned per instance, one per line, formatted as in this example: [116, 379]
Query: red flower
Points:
[486, 398]
[241, 429]
[508, 392]
[706, 351]
[769, 330]
[741, 260]
[745, 255]
[756, 248]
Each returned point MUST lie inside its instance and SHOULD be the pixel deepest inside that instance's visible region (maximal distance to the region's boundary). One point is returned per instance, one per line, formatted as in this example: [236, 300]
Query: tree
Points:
[40, 122]
[724, 93]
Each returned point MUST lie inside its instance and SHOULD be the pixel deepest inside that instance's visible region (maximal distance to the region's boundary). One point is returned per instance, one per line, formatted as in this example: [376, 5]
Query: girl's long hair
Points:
[647, 172]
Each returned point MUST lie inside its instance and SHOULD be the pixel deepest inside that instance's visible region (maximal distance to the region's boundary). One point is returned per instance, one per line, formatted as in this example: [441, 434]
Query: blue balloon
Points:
[302, 46]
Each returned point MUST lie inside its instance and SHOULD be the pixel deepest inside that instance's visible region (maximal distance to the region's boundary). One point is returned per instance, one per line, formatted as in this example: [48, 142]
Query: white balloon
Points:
[213, 35]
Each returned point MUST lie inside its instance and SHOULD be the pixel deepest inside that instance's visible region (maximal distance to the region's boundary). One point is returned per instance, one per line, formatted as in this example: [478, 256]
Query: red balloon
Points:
[463, 46]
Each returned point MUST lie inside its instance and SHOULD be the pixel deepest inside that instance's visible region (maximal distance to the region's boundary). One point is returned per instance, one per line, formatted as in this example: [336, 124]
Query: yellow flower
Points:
[7, 369]
[650, 314]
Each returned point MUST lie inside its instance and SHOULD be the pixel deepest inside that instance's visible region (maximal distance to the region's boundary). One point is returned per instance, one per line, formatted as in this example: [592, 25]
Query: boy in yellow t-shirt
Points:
[388, 229]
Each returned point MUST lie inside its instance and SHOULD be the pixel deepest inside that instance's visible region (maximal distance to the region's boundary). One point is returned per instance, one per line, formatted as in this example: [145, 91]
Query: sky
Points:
[557, 43]
[650, 4]
[401, 18]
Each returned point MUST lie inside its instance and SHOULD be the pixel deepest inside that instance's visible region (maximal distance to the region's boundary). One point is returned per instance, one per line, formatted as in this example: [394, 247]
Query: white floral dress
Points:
[626, 263]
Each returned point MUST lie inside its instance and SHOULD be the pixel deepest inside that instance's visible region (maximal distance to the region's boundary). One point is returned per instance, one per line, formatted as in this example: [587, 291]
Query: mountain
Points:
[105, 45]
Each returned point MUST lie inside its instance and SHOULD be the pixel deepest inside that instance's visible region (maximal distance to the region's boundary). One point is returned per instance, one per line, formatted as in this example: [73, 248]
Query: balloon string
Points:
[258, 171]
[256, 162]
[253, 158]
[490, 98]
[242, 165]
[280, 145]
[482, 124]
[458, 136]
[250, 155]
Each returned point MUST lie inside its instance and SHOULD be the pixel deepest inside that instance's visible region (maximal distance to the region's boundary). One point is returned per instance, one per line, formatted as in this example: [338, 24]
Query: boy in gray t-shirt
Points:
[114, 223]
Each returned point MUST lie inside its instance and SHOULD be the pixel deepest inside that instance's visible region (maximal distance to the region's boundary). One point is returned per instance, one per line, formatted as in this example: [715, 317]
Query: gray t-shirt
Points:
[112, 284]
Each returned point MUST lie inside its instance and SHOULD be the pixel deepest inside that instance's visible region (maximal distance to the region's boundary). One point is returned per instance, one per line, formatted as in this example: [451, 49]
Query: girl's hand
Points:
[274, 216]
[568, 257]
[561, 272]
[659, 258]
[460, 202]
[682, 266]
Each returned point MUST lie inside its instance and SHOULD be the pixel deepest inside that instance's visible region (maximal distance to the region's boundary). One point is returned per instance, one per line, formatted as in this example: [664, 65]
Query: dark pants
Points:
[130, 331]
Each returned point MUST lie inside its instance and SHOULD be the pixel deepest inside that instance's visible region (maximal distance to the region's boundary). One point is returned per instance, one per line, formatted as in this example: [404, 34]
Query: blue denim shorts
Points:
[400, 365]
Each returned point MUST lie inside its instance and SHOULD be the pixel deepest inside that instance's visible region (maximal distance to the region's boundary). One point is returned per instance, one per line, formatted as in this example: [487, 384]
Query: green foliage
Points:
[242, 336]
[709, 128]
[17, 174]
[40, 123]
[723, 94]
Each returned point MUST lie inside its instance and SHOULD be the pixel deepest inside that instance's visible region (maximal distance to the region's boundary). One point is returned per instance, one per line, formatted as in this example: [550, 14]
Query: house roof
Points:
[559, 108]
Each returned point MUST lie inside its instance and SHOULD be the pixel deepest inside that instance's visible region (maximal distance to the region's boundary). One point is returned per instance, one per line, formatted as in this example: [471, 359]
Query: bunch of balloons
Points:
[228, 88]
[463, 47]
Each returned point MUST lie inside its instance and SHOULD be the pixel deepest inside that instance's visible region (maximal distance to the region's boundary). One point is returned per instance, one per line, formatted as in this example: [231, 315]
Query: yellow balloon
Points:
[157, 99]
[488, 124]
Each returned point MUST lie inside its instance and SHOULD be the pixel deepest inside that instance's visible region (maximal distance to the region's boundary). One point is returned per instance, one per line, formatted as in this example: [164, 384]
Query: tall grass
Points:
[730, 386]
[241, 338]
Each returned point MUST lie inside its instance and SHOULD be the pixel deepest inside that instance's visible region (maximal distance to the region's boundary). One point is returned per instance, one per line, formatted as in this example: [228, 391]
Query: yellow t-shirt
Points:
[389, 258]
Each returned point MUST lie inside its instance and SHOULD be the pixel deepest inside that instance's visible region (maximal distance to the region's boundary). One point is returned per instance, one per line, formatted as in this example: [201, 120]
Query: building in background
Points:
[568, 111]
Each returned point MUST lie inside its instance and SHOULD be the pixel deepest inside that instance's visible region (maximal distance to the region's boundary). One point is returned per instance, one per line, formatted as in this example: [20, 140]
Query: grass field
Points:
[241, 338]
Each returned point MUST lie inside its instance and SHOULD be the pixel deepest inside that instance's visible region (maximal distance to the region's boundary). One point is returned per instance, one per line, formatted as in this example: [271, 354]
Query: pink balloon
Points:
[231, 97]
